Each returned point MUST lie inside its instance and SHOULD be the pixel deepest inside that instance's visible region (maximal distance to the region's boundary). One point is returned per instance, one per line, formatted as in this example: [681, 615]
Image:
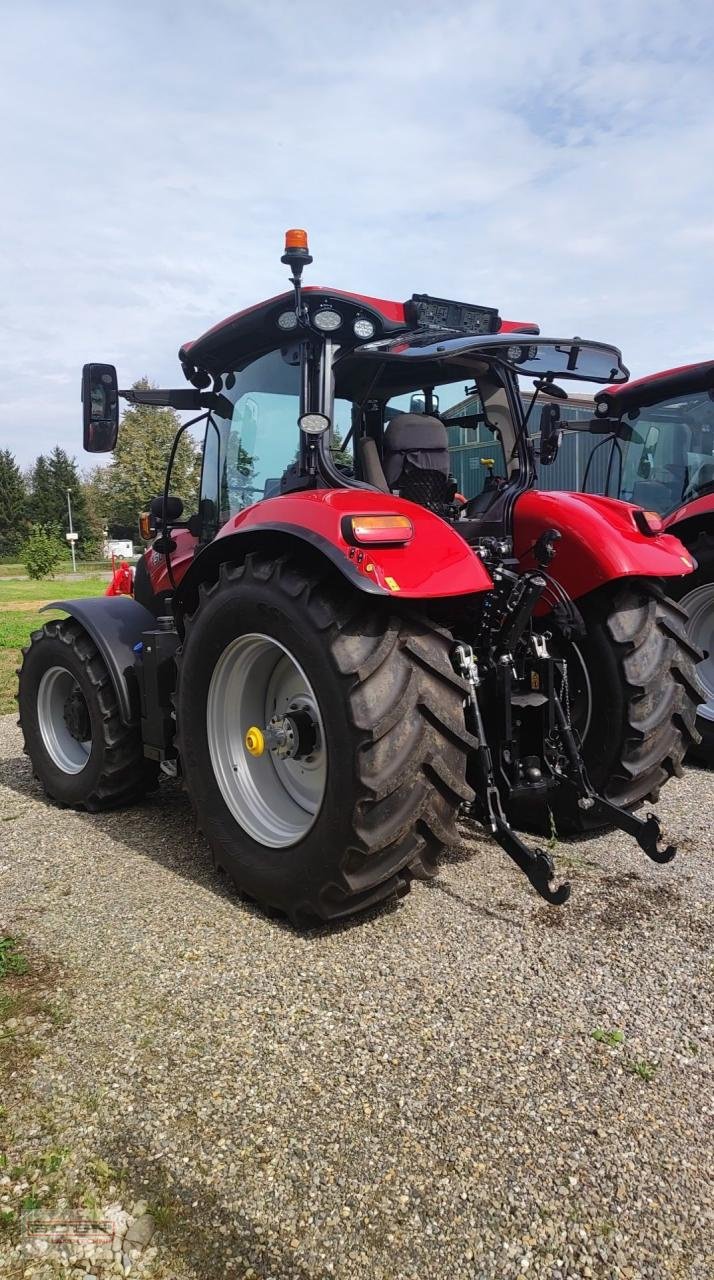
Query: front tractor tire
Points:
[633, 693]
[80, 751]
[321, 737]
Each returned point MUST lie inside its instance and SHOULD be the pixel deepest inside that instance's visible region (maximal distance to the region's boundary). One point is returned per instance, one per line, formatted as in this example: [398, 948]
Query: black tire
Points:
[702, 548]
[396, 749]
[116, 772]
[642, 703]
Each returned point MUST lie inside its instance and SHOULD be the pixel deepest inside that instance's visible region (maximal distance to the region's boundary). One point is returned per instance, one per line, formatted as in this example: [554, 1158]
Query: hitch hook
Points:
[537, 866]
[650, 839]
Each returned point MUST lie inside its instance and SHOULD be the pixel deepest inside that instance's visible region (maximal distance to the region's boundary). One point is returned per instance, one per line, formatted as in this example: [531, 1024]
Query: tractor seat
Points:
[704, 479]
[416, 460]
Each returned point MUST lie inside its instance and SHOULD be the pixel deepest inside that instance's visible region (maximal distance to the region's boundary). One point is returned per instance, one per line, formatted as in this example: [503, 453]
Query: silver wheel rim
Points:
[274, 798]
[700, 629]
[67, 752]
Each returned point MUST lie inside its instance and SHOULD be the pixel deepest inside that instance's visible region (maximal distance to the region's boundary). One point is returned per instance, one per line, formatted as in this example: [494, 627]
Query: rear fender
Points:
[600, 541]
[115, 624]
[435, 563]
[691, 519]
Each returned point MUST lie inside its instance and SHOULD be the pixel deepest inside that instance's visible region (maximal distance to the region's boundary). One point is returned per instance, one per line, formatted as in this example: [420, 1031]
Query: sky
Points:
[553, 160]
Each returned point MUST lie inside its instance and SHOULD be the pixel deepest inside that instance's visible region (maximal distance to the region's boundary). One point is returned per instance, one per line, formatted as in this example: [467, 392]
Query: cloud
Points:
[553, 162]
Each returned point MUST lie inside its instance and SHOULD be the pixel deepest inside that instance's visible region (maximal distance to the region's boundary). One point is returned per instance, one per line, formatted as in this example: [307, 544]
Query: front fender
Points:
[115, 624]
[435, 563]
[600, 541]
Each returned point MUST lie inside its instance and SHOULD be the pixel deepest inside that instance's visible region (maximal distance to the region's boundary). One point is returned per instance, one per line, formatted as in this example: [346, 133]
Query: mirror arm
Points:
[180, 398]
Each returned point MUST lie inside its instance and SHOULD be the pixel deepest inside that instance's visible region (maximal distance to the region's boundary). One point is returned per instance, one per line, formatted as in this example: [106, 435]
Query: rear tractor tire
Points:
[633, 699]
[321, 738]
[81, 752]
[695, 594]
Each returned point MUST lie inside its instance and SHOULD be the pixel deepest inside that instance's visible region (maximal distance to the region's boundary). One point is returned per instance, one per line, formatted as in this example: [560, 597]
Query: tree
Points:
[137, 471]
[14, 506]
[52, 476]
[42, 552]
[340, 456]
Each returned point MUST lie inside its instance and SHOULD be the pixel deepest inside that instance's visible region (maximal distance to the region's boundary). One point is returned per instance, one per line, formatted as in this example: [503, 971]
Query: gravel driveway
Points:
[418, 1095]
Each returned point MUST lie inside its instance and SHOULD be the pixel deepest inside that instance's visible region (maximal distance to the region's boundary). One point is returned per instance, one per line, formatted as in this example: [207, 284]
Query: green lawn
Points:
[17, 624]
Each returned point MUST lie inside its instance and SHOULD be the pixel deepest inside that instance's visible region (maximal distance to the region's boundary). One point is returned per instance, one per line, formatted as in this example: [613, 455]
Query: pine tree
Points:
[137, 471]
[43, 509]
[52, 476]
[14, 506]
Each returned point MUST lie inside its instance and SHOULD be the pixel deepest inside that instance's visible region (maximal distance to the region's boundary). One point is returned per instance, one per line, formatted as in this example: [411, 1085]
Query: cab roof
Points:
[254, 331]
[668, 383]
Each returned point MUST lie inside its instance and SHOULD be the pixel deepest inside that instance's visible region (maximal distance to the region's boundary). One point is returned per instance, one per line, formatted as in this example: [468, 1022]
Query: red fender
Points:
[435, 562]
[691, 510]
[600, 541]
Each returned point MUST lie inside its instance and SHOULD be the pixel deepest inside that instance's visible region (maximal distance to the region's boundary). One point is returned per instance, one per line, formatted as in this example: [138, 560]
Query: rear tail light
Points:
[378, 529]
[649, 522]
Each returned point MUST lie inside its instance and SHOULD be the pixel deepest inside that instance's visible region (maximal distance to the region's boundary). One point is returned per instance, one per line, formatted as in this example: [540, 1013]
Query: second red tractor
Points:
[658, 436]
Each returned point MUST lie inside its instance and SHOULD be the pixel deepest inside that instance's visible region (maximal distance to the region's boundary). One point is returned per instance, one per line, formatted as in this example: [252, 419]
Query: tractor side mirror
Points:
[550, 433]
[174, 510]
[100, 408]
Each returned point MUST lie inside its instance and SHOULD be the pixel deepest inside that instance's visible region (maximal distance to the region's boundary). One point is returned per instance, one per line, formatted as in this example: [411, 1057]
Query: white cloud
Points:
[553, 162]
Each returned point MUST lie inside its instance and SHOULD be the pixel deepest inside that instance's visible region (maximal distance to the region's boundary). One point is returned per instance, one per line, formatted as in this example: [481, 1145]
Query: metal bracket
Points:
[536, 864]
[646, 831]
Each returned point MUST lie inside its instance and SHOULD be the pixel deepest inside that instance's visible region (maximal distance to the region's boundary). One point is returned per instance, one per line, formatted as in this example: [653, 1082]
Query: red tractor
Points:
[658, 446]
[338, 655]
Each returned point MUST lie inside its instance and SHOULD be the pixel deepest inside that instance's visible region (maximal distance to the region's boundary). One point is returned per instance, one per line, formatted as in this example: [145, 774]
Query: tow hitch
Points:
[536, 864]
[646, 831]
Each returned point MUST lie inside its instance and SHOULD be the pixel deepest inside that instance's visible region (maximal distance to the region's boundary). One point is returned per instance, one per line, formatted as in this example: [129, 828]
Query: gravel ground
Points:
[416, 1095]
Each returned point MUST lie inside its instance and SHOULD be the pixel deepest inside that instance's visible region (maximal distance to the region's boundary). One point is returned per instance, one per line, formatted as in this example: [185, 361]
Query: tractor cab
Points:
[407, 395]
[657, 440]
[376, 387]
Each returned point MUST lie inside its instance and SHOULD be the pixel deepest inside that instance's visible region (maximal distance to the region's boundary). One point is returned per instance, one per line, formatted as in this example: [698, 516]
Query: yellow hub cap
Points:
[255, 741]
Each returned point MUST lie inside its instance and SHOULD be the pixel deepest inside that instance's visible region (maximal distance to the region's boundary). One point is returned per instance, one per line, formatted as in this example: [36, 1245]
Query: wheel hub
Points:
[76, 716]
[293, 736]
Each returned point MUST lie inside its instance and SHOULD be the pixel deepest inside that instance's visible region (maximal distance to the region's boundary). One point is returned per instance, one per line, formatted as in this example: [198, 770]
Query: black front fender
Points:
[115, 624]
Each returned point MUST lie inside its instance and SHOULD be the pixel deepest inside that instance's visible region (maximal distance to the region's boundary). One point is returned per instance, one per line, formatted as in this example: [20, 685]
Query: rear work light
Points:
[443, 313]
[371, 530]
[649, 522]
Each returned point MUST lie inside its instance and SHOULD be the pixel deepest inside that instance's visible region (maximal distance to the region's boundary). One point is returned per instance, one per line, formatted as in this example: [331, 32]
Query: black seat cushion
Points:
[430, 488]
[418, 439]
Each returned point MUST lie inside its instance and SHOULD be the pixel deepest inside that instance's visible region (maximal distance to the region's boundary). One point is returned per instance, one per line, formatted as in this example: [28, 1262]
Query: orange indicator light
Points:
[382, 529]
[296, 239]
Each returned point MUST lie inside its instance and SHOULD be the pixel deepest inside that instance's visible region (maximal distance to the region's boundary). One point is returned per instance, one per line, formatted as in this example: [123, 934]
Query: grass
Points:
[12, 960]
[642, 1068]
[610, 1038]
[17, 570]
[26, 590]
[20, 604]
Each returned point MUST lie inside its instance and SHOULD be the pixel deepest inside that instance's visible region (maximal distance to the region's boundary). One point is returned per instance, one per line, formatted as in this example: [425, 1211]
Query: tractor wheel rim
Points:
[56, 688]
[275, 799]
[700, 629]
[581, 693]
